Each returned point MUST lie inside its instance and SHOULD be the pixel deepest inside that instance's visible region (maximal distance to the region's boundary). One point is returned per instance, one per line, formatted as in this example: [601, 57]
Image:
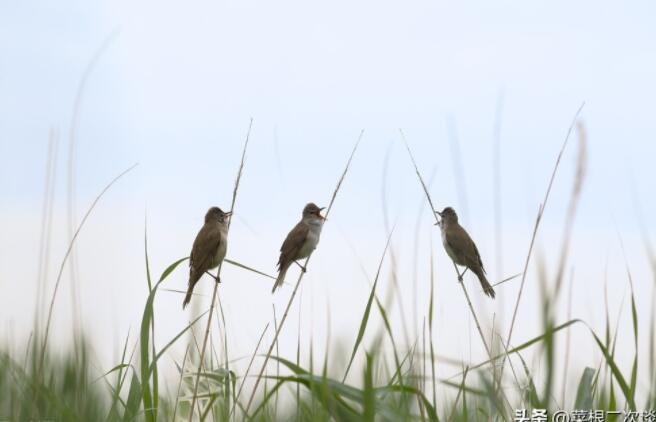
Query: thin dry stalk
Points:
[396, 292]
[298, 282]
[430, 323]
[248, 368]
[378, 337]
[512, 367]
[460, 390]
[191, 359]
[534, 235]
[298, 356]
[415, 265]
[464, 289]
[218, 273]
[430, 201]
[512, 277]
[67, 255]
[581, 165]
[177, 395]
[225, 341]
[275, 325]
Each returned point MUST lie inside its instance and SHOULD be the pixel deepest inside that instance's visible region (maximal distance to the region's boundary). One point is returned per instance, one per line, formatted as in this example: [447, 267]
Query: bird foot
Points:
[461, 275]
[216, 278]
[303, 269]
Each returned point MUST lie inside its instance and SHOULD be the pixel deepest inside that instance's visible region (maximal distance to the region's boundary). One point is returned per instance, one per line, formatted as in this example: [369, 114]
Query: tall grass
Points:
[298, 282]
[218, 274]
[384, 376]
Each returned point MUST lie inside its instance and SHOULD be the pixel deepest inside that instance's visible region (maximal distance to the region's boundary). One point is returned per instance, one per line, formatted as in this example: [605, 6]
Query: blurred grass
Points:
[69, 389]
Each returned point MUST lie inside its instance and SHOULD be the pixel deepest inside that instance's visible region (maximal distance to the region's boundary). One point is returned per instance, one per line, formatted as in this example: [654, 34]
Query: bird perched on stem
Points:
[209, 248]
[300, 242]
[461, 248]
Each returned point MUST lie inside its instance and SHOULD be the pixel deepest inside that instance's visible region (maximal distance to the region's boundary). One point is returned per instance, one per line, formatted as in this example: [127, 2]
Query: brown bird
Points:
[461, 248]
[209, 248]
[300, 242]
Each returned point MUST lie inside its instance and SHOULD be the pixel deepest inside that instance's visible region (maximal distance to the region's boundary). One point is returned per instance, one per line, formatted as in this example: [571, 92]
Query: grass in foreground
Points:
[393, 383]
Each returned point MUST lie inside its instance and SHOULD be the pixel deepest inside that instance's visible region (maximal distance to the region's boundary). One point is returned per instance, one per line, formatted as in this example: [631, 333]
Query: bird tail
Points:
[190, 290]
[487, 288]
[187, 298]
[281, 277]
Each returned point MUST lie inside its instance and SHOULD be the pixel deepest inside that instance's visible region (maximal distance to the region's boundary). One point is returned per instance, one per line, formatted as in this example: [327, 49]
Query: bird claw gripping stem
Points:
[303, 269]
[215, 277]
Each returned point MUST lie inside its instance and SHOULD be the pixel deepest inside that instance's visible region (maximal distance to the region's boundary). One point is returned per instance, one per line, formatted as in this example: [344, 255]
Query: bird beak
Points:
[438, 213]
[228, 214]
[319, 213]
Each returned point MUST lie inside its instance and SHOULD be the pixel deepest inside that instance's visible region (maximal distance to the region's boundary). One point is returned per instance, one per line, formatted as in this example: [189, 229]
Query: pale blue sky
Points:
[178, 84]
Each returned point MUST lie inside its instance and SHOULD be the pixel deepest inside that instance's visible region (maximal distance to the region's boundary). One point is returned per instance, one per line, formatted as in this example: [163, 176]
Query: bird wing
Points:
[478, 256]
[463, 247]
[207, 242]
[292, 244]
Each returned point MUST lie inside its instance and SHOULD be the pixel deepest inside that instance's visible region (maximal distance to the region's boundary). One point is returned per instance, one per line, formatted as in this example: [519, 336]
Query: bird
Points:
[300, 241]
[209, 248]
[461, 248]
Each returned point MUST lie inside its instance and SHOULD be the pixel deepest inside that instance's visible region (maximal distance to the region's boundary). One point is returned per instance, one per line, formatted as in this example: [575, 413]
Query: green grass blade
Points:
[369, 399]
[634, 316]
[246, 267]
[524, 345]
[112, 414]
[430, 325]
[432, 414]
[146, 332]
[266, 399]
[155, 376]
[367, 309]
[206, 412]
[153, 364]
[584, 390]
[134, 399]
[144, 342]
[532, 393]
[624, 386]
[118, 367]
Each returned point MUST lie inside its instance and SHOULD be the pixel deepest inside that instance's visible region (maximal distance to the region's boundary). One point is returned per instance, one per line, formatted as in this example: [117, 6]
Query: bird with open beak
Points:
[209, 248]
[461, 248]
[300, 242]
